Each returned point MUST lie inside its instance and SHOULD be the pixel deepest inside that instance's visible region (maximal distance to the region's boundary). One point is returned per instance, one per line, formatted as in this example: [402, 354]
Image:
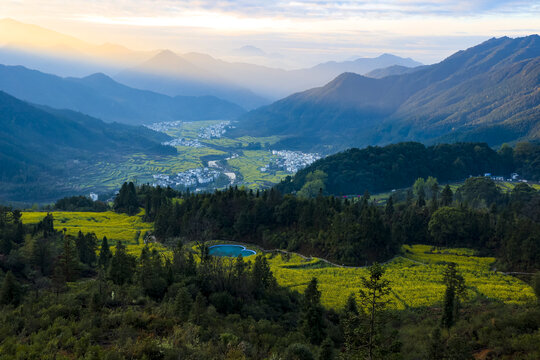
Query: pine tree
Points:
[313, 324]
[373, 298]
[67, 265]
[327, 350]
[436, 350]
[104, 254]
[447, 196]
[122, 265]
[455, 288]
[198, 309]
[389, 209]
[421, 201]
[261, 276]
[183, 303]
[10, 292]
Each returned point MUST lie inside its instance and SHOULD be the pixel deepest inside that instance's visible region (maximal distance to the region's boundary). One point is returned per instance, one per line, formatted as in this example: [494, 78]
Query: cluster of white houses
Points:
[214, 131]
[290, 161]
[514, 177]
[190, 178]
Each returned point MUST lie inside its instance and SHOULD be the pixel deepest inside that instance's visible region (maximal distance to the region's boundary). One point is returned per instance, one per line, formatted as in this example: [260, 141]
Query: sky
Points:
[293, 33]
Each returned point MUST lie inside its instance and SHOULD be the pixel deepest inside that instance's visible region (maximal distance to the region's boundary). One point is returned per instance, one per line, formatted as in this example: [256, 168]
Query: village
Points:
[194, 178]
[215, 131]
[290, 161]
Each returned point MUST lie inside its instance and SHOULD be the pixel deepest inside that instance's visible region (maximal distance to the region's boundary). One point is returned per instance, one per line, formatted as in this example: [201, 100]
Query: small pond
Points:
[230, 250]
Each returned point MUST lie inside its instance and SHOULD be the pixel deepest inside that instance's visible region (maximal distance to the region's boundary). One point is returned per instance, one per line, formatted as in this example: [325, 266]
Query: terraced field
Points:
[105, 175]
[249, 165]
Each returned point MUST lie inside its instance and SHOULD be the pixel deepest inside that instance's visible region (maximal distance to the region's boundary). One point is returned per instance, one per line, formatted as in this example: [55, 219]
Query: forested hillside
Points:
[83, 297]
[378, 169]
[40, 146]
[487, 92]
[100, 96]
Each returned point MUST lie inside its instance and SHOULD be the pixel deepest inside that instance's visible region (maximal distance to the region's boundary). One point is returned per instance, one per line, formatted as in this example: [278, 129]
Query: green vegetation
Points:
[380, 169]
[147, 301]
[485, 93]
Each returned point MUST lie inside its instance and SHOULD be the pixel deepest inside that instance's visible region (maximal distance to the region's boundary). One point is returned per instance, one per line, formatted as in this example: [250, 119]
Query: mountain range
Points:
[487, 93]
[193, 73]
[170, 73]
[100, 96]
[41, 146]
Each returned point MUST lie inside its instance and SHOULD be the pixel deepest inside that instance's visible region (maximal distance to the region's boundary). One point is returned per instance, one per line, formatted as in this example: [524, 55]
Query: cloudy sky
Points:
[293, 33]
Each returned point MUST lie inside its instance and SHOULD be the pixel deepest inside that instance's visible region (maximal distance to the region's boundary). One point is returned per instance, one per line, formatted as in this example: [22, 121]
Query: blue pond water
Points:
[230, 250]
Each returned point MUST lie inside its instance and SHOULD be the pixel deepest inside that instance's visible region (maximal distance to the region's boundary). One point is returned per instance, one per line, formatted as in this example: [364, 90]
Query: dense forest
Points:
[378, 169]
[81, 297]
[358, 231]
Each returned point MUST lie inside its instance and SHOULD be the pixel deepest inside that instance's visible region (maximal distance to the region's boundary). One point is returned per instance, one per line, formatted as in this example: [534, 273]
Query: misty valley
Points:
[170, 191]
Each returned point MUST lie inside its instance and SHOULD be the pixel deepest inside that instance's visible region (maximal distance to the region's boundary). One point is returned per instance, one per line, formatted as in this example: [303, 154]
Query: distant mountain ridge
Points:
[391, 71]
[194, 73]
[489, 91]
[100, 96]
[189, 74]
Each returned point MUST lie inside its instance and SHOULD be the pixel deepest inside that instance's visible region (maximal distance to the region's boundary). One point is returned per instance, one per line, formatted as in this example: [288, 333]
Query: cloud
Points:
[318, 29]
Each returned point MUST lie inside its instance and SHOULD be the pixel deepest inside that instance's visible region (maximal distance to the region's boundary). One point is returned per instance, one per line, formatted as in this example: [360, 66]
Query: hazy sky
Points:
[294, 33]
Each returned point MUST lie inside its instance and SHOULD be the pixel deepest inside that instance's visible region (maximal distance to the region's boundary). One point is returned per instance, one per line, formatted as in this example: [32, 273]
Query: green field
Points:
[108, 175]
[249, 165]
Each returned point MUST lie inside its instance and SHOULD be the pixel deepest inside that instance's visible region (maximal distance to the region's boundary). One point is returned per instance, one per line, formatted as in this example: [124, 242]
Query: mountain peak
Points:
[99, 77]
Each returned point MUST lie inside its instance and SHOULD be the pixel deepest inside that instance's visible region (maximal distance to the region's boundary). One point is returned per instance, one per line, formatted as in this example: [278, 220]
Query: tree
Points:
[373, 298]
[298, 352]
[447, 196]
[436, 350]
[122, 265]
[315, 183]
[183, 303]
[10, 292]
[455, 289]
[104, 254]
[389, 209]
[327, 350]
[198, 309]
[313, 324]
[536, 286]
[86, 248]
[352, 322]
[46, 225]
[450, 226]
[151, 274]
[126, 201]
[67, 265]
[261, 276]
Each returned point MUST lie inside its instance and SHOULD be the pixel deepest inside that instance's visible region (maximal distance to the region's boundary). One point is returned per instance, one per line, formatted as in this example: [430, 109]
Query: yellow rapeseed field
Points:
[415, 276]
[110, 224]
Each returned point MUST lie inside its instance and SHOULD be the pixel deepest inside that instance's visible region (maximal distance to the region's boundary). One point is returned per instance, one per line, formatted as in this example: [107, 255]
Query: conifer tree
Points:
[327, 350]
[447, 196]
[183, 303]
[313, 324]
[122, 265]
[10, 292]
[67, 263]
[455, 288]
[104, 254]
[373, 298]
